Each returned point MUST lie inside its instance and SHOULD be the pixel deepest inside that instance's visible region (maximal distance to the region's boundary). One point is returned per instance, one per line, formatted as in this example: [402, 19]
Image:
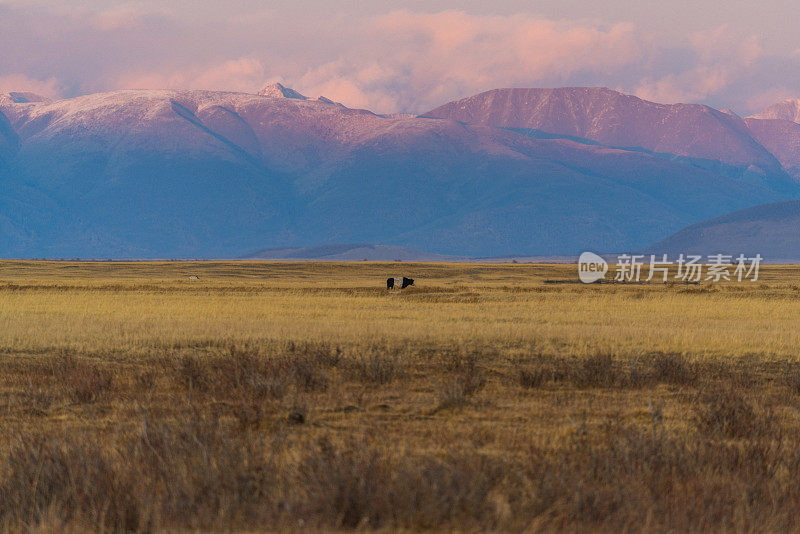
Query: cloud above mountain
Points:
[428, 58]
[389, 61]
[13, 82]
[722, 55]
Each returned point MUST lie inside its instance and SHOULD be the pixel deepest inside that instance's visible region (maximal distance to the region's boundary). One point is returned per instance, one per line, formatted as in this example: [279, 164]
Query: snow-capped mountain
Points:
[216, 174]
[277, 90]
[788, 110]
[782, 138]
[777, 129]
[619, 120]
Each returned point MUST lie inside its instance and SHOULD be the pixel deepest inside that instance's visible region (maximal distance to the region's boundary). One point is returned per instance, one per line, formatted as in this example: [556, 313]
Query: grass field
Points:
[305, 396]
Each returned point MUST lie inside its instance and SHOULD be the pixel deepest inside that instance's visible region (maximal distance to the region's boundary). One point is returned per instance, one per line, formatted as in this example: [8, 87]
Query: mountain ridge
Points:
[167, 173]
[788, 109]
[768, 229]
[619, 120]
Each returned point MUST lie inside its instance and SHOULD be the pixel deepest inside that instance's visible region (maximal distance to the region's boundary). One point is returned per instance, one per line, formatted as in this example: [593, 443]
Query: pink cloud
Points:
[119, 18]
[403, 60]
[49, 88]
[419, 60]
[242, 74]
[767, 98]
[724, 56]
[728, 45]
[686, 87]
[407, 61]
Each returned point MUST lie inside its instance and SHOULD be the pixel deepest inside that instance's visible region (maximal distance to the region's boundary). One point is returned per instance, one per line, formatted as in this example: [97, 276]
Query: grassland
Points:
[305, 396]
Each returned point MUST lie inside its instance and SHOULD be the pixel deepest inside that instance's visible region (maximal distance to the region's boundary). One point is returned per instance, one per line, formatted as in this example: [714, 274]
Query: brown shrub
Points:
[727, 413]
[673, 369]
[190, 473]
[600, 370]
[364, 485]
[81, 381]
[605, 371]
[532, 378]
[249, 374]
[198, 474]
[377, 368]
[309, 364]
[241, 371]
[791, 377]
[36, 399]
[192, 373]
[195, 473]
[596, 371]
[457, 391]
[307, 373]
[71, 477]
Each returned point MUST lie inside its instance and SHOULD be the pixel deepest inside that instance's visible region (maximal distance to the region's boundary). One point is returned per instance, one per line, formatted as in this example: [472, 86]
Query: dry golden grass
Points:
[290, 396]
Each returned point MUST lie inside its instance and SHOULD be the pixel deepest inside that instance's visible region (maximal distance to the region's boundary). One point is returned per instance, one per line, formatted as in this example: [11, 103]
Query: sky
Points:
[394, 56]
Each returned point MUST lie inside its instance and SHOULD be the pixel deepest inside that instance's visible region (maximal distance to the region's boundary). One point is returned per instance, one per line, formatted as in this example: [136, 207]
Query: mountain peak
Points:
[276, 90]
[788, 109]
[615, 119]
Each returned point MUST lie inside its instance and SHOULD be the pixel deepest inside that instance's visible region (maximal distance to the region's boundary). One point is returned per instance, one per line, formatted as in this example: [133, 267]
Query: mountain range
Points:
[201, 174]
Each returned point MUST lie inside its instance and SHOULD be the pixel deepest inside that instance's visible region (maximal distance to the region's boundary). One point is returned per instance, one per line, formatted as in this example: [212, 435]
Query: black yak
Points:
[403, 282]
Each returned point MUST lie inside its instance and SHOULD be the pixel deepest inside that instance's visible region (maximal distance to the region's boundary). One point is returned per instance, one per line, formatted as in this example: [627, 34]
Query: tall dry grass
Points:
[305, 396]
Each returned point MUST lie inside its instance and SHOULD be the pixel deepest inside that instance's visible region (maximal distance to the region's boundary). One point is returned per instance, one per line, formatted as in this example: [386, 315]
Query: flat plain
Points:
[268, 396]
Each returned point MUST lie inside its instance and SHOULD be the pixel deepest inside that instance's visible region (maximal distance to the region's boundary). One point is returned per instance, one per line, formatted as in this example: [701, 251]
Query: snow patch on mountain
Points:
[276, 90]
[788, 110]
[616, 119]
